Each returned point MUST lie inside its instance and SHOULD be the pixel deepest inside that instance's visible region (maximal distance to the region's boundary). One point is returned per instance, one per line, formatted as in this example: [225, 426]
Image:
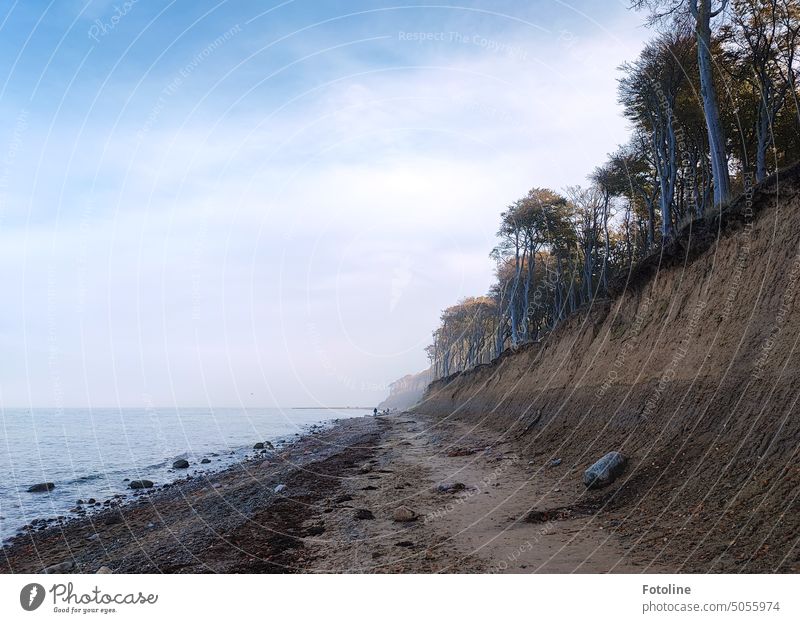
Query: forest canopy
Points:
[714, 108]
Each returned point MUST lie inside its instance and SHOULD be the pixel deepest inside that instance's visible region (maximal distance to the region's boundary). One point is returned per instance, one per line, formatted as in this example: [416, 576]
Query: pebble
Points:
[404, 514]
[61, 567]
[451, 487]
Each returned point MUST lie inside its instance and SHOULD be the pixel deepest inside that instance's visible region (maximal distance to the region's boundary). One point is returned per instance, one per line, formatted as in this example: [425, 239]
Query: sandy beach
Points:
[398, 493]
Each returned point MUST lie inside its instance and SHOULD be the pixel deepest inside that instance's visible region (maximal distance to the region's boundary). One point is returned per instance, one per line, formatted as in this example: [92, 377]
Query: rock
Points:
[363, 513]
[315, 530]
[462, 452]
[79, 502]
[180, 464]
[113, 519]
[366, 468]
[41, 487]
[259, 446]
[104, 569]
[205, 461]
[268, 446]
[451, 487]
[280, 488]
[61, 567]
[404, 544]
[140, 484]
[554, 463]
[404, 514]
[605, 471]
[91, 501]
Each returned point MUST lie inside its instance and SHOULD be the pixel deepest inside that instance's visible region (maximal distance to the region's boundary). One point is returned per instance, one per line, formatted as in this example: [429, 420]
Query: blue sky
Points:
[269, 203]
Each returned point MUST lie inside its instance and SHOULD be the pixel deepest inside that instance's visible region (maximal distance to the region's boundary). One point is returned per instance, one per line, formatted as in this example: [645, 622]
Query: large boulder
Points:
[41, 487]
[180, 464]
[605, 471]
[141, 484]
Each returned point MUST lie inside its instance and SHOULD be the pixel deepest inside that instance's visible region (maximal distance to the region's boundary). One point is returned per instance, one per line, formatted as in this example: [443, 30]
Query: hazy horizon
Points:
[188, 196]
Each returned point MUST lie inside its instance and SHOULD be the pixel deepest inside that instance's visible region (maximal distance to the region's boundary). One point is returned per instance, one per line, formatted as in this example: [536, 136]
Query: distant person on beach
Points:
[375, 412]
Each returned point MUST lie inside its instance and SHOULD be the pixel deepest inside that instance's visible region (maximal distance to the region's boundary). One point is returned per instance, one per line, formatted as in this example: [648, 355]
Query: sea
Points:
[95, 453]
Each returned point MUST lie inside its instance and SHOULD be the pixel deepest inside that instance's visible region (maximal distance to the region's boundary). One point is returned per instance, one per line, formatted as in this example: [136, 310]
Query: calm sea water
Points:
[89, 453]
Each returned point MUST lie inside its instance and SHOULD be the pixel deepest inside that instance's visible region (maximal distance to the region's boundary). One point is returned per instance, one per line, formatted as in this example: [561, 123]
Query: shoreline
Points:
[388, 494]
[193, 506]
[203, 464]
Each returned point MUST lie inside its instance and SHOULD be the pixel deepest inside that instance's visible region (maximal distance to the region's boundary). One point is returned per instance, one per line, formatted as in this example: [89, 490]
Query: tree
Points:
[703, 14]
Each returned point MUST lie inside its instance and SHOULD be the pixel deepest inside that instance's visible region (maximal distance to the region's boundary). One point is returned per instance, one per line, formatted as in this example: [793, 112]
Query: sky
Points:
[269, 203]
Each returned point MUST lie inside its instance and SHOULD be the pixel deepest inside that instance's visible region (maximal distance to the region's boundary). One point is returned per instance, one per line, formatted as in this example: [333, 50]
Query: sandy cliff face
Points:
[692, 370]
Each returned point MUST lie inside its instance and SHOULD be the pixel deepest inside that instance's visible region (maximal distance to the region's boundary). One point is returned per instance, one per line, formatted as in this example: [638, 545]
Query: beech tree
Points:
[703, 13]
[556, 252]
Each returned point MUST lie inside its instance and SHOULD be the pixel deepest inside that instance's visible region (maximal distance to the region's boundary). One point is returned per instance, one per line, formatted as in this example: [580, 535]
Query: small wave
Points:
[88, 478]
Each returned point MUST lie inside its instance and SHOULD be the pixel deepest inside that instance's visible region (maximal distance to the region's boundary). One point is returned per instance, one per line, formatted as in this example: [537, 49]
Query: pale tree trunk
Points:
[764, 123]
[701, 10]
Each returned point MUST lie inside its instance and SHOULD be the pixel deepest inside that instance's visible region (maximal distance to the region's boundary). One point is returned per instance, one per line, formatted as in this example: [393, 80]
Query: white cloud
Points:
[301, 256]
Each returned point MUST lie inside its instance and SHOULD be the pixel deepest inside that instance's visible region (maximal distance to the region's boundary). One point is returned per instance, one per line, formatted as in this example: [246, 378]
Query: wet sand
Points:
[469, 503]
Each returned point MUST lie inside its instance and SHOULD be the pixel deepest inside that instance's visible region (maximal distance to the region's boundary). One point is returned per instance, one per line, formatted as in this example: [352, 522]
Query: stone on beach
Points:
[404, 514]
[605, 471]
[104, 569]
[140, 484]
[451, 487]
[363, 513]
[280, 488]
[41, 487]
[205, 461]
[180, 464]
[61, 567]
